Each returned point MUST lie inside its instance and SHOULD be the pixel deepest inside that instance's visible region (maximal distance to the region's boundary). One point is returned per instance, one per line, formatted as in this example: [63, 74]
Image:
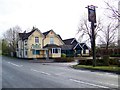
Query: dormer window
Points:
[36, 39]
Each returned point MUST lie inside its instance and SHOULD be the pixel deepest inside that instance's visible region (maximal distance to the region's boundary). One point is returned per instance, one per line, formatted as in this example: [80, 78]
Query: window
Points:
[36, 39]
[58, 50]
[55, 50]
[51, 40]
[36, 52]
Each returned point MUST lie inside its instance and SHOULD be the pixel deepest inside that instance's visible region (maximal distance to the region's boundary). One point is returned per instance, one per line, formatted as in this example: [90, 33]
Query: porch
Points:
[53, 51]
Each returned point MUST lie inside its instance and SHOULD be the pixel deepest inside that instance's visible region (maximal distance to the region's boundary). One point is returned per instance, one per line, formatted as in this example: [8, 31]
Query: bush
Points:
[113, 61]
[63, 55]
[115, 55]
[65, 59]
[85, 62]
[106, 60]
[118, 63]
[100, 62]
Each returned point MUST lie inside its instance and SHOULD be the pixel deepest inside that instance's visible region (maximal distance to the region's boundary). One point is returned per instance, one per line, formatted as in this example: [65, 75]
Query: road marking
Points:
[108, 74]
[91, 84]
[45, 73]
[34, 70]
[41, 72]
[15, 64]
[58, 74]
[110, 84]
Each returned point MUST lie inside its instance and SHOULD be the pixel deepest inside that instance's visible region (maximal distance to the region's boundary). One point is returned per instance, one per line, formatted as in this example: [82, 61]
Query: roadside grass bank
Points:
[112, 69]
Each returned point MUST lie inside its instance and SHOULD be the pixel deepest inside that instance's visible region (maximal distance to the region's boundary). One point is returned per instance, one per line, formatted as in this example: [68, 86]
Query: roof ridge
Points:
[69, 38]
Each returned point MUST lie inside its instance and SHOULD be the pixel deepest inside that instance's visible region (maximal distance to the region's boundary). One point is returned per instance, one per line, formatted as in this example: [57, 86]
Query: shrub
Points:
[65, 59]
[115, 55]
[85, 62]
[118, 63]
[106, 60]
[99, 62]
[113, 61]
[63, 55]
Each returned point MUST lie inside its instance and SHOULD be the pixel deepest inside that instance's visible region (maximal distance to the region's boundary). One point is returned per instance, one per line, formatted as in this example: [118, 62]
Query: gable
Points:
[36, 33]
[51, 33]
[75, 44]
[25, 35]
[56, 37]
[85, 46]
[78, 47]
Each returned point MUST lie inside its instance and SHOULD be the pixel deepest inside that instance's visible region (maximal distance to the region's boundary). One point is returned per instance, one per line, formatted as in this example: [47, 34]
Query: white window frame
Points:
[38, 40]
[58, 50]
[51, 40]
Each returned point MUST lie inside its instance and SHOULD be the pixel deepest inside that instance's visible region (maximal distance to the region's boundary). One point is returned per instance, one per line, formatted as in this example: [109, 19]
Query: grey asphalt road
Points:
[18, 73]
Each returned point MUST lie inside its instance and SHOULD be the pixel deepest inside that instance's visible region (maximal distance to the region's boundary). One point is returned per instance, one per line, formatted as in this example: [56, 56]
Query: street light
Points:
[92, 19]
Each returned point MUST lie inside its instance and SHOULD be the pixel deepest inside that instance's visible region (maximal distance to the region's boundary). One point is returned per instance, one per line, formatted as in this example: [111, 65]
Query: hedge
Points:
[64, 59]
[100, 62]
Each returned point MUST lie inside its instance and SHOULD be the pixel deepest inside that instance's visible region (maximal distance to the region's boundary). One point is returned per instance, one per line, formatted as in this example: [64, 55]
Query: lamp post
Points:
[92, 19]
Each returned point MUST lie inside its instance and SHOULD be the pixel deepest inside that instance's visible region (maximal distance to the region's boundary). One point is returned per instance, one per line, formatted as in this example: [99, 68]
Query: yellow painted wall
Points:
[31, 40]
[57, 41]
[56, 55]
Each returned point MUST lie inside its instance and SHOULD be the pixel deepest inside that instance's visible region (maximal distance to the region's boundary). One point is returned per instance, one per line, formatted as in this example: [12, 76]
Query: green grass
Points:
[107, 68]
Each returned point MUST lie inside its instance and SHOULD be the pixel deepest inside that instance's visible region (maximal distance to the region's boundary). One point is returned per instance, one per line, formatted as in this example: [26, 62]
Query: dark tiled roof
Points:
[24, 36]
[59, 36]
[71, 41]
[46, 33]
[66, 47]
[74, 42]
[68, 41]
[51, 46]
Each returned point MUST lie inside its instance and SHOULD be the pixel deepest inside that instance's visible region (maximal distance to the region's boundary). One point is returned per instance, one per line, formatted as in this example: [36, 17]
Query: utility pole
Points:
[92, 19]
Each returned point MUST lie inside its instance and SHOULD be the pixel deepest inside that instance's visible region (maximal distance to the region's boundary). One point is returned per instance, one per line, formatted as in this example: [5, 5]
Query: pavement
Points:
[18, 73]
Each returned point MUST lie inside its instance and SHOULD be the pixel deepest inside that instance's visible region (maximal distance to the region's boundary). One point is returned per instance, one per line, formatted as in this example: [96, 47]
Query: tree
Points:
[5, 47]
[85, 30]
[11, 36]
[108, 37]
[115, 12]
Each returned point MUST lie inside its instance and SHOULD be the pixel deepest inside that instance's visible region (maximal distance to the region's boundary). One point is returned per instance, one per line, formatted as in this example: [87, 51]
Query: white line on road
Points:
[110, 84]
[15, 64]
[45, 73]
[41, 72]
[100, 86]
[58, 74]
[107, 74]
[34, 70]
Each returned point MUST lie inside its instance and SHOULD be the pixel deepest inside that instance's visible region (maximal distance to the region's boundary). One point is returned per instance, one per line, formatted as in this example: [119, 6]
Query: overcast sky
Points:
[63, 16]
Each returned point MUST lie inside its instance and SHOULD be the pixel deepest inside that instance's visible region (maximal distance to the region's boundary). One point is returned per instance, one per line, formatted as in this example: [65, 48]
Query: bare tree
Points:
[85, 30]
[108, 36]
[115, 12]
[11, 36]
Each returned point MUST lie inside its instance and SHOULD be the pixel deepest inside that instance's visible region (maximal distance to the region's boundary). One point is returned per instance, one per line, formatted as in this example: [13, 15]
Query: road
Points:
[18, 73]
